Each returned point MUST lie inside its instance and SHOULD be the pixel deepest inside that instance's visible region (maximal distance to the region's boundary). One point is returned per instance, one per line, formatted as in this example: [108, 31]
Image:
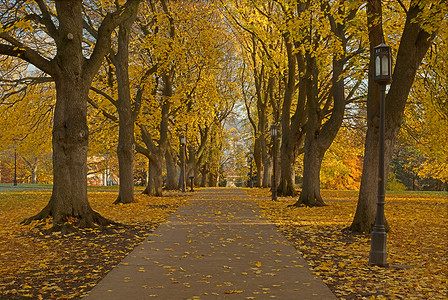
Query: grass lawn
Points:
[416, 245]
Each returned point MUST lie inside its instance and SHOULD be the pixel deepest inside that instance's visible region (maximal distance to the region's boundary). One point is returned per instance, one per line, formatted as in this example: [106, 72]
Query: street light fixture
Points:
[274, 135]
[183, 142]
[15, 166]
[383, 76]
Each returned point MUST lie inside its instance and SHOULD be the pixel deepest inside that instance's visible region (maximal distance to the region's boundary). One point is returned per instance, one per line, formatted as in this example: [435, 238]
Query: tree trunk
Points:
[70, 145]
[287, 176]
[414, 43]
[73, 75]
[34, 173]
[33, 167]
[288, 144]
[312, 161]
[157, 178]
[320, 134]
[149, 181]
[171, 170]
[212, 180]
[125, 151]
[155, 182]
[204, 172]
[258, 159]
[267, 174]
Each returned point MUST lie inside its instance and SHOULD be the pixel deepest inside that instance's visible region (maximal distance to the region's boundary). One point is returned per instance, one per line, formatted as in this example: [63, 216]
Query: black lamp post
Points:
[251, 182]
[15, 167]
[183, 142]
[191, 183]
[274, 134]
[383, 76]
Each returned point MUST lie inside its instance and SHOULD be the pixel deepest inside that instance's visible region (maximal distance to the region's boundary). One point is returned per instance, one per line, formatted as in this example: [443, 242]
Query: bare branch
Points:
[105, 95]
[18, 49]
[46, 20]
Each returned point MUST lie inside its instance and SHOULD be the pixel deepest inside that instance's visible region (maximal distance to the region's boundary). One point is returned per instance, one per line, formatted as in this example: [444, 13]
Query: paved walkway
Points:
[215, 247]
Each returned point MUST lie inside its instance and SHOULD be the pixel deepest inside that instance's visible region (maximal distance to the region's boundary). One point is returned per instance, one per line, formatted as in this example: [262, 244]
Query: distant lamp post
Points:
[15, 167]
[274, 135]
[249, 160]
[183, 142]
[383, 76]
[191, 183]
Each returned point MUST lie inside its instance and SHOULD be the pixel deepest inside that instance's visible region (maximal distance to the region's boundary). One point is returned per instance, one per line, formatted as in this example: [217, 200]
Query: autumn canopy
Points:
[115, 83]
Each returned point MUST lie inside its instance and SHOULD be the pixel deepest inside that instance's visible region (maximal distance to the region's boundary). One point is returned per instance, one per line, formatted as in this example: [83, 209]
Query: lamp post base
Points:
[378, 254]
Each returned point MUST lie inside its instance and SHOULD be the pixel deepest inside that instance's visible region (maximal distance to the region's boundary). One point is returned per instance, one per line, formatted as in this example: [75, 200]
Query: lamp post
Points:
[383, 70]
[191, 183]
[274, 134]
[15, 167]
[182, 141]
[251, 182]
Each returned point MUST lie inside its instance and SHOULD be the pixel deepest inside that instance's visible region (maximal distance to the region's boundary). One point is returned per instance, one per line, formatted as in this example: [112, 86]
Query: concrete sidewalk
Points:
[215, 247]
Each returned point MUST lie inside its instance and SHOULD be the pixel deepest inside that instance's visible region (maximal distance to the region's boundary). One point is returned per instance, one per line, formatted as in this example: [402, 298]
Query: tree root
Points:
[305, 201]
[44, 214]
[120, 200]
[91, 219]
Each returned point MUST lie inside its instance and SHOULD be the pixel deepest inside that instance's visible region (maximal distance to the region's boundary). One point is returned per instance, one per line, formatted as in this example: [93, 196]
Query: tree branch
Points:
[103, 111]
[18, 49]
[105, 95]
[102, 46]
[46, 20]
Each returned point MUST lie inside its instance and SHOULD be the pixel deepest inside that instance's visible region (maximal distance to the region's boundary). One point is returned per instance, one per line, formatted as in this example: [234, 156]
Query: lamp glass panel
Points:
[273, 131]
[385, 65]
[377, 66]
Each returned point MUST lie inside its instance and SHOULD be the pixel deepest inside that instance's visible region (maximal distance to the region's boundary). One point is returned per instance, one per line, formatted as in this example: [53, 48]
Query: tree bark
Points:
[319, 135]
[70, 145]
[204, 173]
[415, 42]
[171, 170]
[33, 167]
[155, 156]
[288, 144]
[125, 149]
[212, 180]
[154, 184]
[312, 161]
[73, 74]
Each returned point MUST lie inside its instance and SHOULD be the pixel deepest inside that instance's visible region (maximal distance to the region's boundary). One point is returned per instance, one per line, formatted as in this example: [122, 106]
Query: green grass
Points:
[27, 186]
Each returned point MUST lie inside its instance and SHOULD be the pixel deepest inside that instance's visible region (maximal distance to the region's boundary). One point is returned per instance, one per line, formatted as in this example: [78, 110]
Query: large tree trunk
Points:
[258, 159]
[212, 180]
[204, 171]
[73, 75]
[287, 173]
[155, 183]
[125, 151]
[319, 134]
[312, 161]
[70, 145]
[414, 43]
[267, 174]
[171, 170]
[286, 178]
[366, 209]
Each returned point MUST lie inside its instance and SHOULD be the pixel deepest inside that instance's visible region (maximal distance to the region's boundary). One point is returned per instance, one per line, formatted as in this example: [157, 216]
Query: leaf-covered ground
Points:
[34, 265]
[417, 244]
